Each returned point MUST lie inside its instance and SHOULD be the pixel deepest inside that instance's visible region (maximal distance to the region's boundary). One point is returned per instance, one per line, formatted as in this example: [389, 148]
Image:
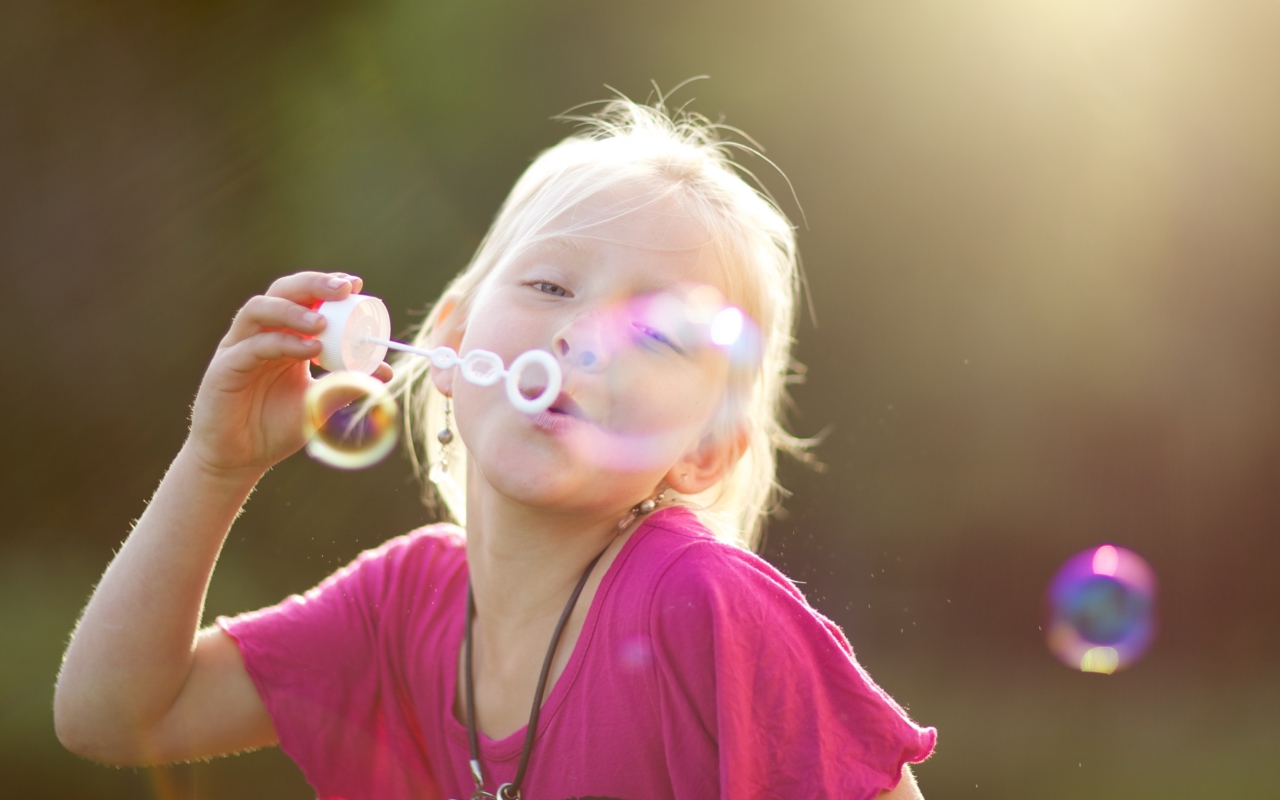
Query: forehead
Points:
[634, 218]
[655, 235]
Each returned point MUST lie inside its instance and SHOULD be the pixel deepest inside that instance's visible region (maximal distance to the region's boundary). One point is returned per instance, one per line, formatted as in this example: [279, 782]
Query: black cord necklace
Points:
[511, 791]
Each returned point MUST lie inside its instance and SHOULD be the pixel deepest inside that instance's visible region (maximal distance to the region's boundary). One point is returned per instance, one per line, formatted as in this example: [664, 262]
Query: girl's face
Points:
[639, 389]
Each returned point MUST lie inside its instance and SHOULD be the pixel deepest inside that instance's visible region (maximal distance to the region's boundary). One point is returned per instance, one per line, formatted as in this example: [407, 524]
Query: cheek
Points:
[507, 334]
[708, 399]
[667, 398]
[486, 320]
[484, 415]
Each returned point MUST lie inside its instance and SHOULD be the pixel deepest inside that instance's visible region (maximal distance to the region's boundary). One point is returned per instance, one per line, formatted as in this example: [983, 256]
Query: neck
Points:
[525, 562]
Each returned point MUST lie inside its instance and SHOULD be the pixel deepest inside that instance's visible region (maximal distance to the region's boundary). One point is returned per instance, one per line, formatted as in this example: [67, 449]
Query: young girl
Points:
[603, 579]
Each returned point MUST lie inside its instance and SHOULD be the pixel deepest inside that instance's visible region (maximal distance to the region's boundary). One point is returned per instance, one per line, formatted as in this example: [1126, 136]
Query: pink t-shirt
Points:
[700, 672]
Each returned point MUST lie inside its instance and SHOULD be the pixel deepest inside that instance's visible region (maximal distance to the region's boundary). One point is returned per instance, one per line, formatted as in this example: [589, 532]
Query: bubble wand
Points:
[356, 341]
[358, 336]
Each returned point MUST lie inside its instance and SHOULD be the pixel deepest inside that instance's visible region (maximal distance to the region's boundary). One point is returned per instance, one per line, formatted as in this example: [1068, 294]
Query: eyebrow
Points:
[556, 243]
[564, 241]
[538, 247]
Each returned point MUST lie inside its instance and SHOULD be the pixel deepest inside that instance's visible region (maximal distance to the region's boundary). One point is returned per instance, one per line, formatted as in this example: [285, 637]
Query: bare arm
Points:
[138, 684]
[906, 788]
[135, 649]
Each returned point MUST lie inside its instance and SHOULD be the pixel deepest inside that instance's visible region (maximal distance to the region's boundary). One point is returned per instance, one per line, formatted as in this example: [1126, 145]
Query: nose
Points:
[582, 344]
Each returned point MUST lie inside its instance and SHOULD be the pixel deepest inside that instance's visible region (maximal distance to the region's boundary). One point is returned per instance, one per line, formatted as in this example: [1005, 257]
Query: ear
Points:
[707, 463]
[446, 331]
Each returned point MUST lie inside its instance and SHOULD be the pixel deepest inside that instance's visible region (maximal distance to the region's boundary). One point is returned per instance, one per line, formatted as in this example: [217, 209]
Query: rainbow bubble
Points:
[350, 420]
[1102, 610]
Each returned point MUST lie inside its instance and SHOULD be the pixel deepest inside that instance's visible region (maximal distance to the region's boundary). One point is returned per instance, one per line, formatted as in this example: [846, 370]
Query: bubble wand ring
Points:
[484, 368]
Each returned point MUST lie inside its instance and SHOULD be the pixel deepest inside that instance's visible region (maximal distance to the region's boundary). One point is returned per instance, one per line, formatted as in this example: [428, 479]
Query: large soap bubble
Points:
[1101, 606]
[693, 319]
[351, 420]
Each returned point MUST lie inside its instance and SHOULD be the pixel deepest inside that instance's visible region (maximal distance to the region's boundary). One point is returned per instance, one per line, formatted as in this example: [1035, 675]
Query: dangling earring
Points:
[439, 475]
[643, 507]
[445, 436]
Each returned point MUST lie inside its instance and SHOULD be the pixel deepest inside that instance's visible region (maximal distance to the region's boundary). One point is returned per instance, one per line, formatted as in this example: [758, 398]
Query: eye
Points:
[655, 336]
[547, 287]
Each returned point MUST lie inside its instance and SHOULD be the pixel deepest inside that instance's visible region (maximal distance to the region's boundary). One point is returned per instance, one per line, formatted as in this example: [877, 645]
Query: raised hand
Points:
[249, 413]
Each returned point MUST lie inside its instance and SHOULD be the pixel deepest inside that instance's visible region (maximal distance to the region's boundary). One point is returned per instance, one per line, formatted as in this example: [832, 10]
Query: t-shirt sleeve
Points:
[754, 680]
[320, 662]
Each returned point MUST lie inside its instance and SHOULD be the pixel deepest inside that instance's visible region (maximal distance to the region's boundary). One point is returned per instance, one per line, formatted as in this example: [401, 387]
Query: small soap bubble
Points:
[1102, 610]
[634, 652]
[726, 326]
[351, 420]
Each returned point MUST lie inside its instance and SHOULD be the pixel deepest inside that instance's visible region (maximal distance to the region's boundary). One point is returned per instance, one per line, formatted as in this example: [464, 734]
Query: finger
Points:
[384, 372]
[264, 313]
[307, 288]
[252, 353]
[357, 283]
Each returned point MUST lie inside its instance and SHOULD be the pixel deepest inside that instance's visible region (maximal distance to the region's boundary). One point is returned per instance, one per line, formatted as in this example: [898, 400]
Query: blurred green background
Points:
[1044, 258]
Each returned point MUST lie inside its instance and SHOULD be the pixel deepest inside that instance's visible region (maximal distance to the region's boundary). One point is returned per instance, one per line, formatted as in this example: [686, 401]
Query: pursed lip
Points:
[563, 414]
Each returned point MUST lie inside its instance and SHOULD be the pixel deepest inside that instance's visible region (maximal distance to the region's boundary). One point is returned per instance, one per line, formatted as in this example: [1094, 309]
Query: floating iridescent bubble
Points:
[351, 420]
[1101, 606]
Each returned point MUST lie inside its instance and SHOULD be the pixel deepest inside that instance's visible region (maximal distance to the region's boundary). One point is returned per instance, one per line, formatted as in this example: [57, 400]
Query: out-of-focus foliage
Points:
[1041, 245]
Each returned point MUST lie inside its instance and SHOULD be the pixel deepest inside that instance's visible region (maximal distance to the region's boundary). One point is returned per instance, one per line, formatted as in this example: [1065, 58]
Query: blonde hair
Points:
[676, 155]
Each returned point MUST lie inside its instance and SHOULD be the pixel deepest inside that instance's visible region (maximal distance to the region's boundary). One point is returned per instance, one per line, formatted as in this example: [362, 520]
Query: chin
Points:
[531, 476]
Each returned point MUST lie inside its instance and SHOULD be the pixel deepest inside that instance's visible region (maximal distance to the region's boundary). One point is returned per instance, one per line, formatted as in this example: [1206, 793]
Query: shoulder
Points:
[439, 540]
[431, 547]
[410, 580]
[704, 587]
[393, 572]
[741, 653]
[695, 563]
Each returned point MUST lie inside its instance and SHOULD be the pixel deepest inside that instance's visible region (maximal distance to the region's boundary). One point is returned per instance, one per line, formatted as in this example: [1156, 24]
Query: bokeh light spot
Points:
[1105, 560]
[1102, 610]
[1102, 660]
[726, 327]
[702, 303]
[351, 420]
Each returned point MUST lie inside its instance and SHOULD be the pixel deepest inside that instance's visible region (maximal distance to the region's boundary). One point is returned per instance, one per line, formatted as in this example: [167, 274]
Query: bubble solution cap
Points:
[348, 340]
